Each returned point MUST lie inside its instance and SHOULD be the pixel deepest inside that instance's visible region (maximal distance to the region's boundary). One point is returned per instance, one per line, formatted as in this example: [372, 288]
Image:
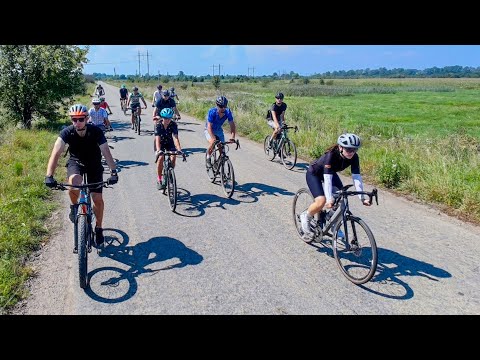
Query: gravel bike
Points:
[282, 147]
[220, 165]
[354, 246]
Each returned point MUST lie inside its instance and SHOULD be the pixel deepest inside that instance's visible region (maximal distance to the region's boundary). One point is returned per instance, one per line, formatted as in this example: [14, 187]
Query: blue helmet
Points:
[167, 113]
[222, 101]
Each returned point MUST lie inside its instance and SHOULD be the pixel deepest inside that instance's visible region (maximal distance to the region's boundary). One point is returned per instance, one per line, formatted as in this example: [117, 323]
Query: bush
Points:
[392, 172]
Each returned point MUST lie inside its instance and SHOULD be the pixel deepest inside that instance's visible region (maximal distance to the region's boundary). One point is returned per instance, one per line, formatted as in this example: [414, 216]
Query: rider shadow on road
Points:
[127, 164]
[390, 267]
[191, 151]
[301, 167]
[150, 257]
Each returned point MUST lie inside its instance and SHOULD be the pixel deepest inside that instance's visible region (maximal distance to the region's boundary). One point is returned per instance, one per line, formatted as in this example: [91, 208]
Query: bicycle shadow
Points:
[250, 192]
[187, 130]
[300, 167]
[113, 285]
[116, 138]
[122, 126]
[390, 267]
[194, 205]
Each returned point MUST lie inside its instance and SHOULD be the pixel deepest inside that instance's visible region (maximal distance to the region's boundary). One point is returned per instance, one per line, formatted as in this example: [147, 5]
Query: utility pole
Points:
[148, 64]
[114, 73]
[213, 70]
[253, 71]
[139, 73]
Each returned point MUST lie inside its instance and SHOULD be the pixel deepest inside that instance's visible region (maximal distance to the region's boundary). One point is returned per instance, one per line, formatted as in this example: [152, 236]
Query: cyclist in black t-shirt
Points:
[277, 119]
[87, 143]
[323, 171]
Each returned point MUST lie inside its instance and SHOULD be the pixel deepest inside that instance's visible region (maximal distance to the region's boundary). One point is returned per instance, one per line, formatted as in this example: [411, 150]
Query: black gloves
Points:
[50, 182]
[113, 179]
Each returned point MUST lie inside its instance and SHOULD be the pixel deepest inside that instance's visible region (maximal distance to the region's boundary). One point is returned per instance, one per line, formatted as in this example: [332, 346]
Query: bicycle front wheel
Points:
[269, 152]
[228, 178]
[289, 154]
[301, 201]
[139, 120]
[83, 233]
[172, 188]
[356, 251]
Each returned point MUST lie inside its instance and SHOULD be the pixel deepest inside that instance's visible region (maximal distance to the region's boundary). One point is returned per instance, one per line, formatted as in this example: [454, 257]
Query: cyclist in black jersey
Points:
[323, 171]
[87, 144]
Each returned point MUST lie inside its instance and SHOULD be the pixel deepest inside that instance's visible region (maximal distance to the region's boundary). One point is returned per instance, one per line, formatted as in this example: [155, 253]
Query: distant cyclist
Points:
[166, 139]
[173, 95]
[98, 116]
[134, 103]
[87, 143]
[213, 127]
[323, 171]
[99, 91]
[157, 95]
[123, 95]
[165, 102]
[277, 112]
[104, 105]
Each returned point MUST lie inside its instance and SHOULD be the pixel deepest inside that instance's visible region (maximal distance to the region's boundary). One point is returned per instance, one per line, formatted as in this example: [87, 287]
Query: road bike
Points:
[123, 105]
[354, 246]
[137, 120]
[220, 165]
[83, 231]
[283, 147]
[169, 181]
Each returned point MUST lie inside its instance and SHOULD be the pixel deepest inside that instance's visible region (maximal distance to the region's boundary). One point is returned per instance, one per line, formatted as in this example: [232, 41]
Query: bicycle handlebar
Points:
[345, 192]
[231, 141]
[285, 126]
[160, 153]
[63, 186]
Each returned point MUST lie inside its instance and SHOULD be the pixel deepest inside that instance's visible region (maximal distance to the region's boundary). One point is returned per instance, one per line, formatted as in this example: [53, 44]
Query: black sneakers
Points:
[72, 214]
[99, 239]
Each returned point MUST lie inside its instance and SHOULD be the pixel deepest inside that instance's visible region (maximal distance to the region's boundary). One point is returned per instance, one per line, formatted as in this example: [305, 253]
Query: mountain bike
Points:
[355, 250]
[220, 165]
[83, 231]
[283, 147]
[169, 181]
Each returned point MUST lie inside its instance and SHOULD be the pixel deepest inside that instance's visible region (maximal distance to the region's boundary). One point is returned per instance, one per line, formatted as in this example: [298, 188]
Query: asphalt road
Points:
[242, 255]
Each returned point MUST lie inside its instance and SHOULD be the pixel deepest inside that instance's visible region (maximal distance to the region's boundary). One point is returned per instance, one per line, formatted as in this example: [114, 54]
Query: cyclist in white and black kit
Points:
[277, 112]
[323, 171]
[165, 102]
[98, 116]
[134, 103]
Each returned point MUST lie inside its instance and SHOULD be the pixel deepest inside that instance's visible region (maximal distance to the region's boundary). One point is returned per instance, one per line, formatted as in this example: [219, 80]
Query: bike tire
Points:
[301, 201]
[269, 153]
[83, 235]
[172, 189]
[227, 178]
[348, 258]
[288, 154]
[139, 122]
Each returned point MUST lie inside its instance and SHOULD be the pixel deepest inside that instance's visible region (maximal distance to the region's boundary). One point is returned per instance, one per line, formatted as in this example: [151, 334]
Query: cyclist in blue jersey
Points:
[213, 126]
[322, 177]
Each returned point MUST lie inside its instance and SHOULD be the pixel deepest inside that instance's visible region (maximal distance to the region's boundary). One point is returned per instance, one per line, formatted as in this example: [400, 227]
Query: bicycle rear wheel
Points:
[269, 152]
[83, 234]
[356, 252]
[301, 201]
[228, 178]
[289, 154]
[172, 188]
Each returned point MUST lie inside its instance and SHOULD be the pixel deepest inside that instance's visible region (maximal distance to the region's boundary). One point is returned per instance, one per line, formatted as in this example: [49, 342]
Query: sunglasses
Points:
[349, 150]
[278, 98]
[78, 119]
[221, 106]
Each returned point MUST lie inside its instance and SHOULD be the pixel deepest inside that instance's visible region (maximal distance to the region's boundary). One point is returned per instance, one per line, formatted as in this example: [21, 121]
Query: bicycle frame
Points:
[221, 165]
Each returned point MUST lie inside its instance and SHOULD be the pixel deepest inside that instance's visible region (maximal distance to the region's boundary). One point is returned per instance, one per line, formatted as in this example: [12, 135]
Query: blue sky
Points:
[266, 59]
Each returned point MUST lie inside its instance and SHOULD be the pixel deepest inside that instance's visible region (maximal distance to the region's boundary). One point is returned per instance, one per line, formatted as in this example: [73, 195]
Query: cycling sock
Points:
[159, 178]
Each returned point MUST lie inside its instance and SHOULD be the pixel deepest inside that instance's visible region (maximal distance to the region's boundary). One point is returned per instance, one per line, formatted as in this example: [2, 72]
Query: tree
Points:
[35, 80]
[216, 82]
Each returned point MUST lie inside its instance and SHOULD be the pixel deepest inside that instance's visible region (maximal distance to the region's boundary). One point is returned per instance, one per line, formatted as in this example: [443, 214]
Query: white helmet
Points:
[349, 141]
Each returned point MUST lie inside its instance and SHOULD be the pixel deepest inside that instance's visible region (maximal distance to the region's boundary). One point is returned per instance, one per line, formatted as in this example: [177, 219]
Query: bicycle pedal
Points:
[75, 251]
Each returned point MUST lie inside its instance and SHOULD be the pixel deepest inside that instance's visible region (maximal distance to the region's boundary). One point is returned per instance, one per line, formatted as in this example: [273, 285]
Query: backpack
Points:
[269, 115]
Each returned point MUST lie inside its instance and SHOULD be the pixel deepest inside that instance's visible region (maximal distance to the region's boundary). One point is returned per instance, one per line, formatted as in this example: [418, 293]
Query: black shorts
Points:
[315, 182]
[94, 173]
[168, 147]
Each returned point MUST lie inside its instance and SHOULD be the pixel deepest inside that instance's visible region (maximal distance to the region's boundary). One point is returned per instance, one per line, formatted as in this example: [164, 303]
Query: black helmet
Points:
[279, 96]
[222, 101]
[134, 88]
[159, 87]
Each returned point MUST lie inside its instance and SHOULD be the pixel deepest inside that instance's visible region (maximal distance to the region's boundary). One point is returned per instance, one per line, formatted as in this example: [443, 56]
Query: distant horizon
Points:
[265, 60]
